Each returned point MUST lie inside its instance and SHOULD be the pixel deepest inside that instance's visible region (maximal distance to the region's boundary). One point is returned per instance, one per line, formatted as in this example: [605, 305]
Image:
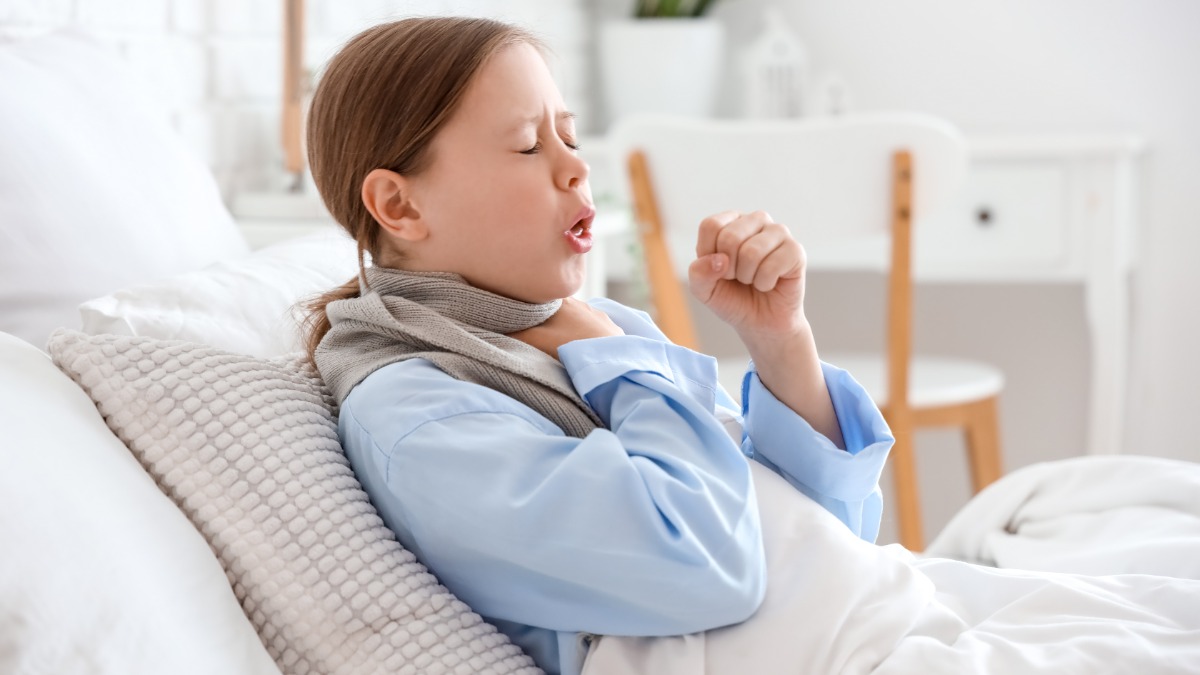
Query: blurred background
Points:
[1073, 85]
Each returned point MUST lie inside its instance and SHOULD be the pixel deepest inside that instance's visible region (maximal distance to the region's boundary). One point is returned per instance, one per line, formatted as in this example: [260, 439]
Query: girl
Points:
[559, 465]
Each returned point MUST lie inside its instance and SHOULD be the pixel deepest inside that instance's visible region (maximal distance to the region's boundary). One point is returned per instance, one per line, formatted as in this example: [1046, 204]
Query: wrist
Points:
[789, 368]
[779, 344]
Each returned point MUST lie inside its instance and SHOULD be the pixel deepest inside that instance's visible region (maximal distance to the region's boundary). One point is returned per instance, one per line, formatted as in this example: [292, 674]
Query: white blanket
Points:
[1086, 515]
[836, 604]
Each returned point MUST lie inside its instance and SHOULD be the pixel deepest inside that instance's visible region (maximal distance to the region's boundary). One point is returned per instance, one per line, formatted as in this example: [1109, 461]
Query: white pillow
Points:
[248, 449]
[97, 192]
[100, 572]
[245, 305]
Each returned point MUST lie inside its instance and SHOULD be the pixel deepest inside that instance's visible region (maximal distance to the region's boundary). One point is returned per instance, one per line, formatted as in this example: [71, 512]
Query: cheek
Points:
[495, 198]
[499, 211]
[461, 187]
[512, 212]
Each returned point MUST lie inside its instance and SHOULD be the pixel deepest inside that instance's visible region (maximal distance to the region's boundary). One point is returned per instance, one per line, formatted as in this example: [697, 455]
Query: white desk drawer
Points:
[1011, 213]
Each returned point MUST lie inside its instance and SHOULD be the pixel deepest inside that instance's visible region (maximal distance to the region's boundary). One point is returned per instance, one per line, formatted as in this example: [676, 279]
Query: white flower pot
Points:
[661, 65]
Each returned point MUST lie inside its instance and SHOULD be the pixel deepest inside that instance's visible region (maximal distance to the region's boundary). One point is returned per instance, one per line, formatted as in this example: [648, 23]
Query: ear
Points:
[388, 196]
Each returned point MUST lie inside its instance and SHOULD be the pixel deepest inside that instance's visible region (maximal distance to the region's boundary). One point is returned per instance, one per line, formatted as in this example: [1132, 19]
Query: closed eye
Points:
[538, 147]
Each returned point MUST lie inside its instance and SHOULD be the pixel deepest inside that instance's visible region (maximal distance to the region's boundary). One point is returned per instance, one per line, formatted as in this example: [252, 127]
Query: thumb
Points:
[705, 272]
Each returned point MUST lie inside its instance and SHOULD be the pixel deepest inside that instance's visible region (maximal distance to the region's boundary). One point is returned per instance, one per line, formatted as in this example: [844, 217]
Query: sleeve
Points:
[845, 482]
[649, 527]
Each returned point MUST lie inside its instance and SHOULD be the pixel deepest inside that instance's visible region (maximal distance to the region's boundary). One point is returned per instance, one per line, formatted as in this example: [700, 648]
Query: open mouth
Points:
[579, 236]
[583, 225]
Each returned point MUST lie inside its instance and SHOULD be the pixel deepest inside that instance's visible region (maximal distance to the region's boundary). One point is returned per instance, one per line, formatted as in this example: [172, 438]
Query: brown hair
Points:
[380, 102]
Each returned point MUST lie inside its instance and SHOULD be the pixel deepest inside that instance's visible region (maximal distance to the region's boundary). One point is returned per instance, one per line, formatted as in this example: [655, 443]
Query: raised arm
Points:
[749, 271]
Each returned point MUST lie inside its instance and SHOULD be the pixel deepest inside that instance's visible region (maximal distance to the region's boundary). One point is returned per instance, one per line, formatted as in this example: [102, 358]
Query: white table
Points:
[1052, 209]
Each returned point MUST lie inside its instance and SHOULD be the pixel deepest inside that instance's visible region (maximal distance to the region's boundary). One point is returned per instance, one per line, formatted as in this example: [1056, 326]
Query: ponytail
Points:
[316, 321]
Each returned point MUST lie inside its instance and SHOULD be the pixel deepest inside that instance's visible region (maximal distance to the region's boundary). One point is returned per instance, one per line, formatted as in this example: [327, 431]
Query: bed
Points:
[175, 499]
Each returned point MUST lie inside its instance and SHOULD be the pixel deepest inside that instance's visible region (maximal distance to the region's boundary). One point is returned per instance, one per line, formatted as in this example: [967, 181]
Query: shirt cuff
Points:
[789, 441]
[596, 361]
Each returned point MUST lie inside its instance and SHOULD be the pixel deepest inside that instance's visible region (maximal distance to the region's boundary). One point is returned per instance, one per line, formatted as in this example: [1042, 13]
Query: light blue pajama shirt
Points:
[648, 527]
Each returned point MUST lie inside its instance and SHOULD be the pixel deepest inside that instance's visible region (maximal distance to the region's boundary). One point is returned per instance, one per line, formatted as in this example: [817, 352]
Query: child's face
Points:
[504, 188]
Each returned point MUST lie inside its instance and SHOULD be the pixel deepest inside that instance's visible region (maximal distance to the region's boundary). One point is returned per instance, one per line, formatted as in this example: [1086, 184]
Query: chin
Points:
[571, 286]
[536, 288]
[551, 291]
[557, 293]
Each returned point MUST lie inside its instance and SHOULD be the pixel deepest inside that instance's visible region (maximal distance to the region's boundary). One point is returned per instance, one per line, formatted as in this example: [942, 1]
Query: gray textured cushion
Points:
[248, 450]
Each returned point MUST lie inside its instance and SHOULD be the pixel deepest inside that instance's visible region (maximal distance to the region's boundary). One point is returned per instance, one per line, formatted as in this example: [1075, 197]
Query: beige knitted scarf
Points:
[461, 329]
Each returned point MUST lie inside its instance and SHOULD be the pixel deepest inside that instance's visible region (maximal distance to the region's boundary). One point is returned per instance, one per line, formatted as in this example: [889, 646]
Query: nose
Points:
[572, 170]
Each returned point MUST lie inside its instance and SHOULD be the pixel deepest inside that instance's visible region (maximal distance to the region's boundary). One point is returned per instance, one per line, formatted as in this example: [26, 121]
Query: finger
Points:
[785, 262]
[704, 273]
[706, 237]
[731, 237]
[754, 250]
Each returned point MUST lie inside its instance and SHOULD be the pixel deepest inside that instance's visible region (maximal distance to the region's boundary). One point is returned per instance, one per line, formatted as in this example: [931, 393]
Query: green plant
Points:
[670, 8]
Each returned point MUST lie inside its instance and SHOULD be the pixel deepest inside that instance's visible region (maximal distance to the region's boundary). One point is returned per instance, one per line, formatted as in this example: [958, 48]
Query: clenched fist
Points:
[749, 271]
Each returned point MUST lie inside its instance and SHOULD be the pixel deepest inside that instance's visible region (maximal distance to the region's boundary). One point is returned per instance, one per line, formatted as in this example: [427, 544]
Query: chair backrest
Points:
[829, 179]
[848, 187]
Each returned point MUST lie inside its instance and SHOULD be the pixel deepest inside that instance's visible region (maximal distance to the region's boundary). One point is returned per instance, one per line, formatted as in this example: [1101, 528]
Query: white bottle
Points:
[776, 71]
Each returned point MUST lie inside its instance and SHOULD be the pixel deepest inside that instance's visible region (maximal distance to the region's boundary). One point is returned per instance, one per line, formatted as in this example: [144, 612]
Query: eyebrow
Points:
[561, 116]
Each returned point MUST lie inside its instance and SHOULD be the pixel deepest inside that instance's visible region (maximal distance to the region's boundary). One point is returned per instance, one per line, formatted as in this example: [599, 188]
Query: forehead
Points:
[513, 86]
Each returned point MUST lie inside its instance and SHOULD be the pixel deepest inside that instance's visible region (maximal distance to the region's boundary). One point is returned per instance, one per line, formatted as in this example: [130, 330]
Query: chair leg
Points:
[983, 444]
[904, 479]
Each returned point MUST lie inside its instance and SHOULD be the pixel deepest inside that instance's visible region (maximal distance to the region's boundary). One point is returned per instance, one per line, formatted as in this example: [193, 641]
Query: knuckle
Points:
[718, 219]
[709, 228]
[727, 238]
[801, 254]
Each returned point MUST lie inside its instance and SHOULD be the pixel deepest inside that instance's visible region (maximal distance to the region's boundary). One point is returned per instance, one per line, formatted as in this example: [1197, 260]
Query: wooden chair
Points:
[849, 188]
